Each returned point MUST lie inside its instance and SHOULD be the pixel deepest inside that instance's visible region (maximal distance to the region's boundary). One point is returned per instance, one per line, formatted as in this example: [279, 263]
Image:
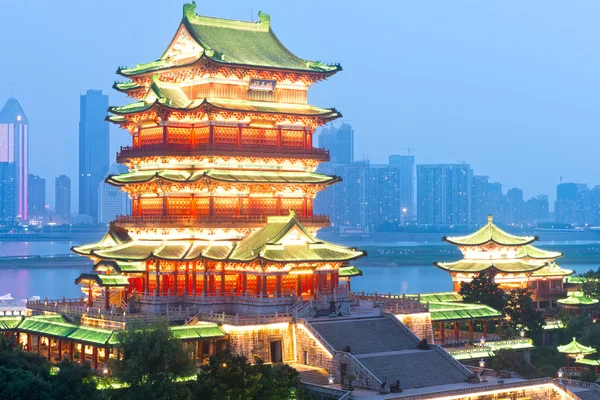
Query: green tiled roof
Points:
[554, 325]
[587, 361]
[438, 297]
[577, 299]
[238, 43]
[65, 330]
[104, 279]
[114, 237]
[275, 177]
[535, 252]
[349, 271]
[126, 86]
[180, 103]
[450, 311]
[201, 330]
[121, 266]
[552, 270]
[281, 239]
[476, 266]
[575, 348]
[9, 322]
[490, 233]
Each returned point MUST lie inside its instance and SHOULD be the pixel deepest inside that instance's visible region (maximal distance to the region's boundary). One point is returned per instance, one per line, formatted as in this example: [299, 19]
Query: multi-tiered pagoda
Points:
[512, 260]
[221, 177]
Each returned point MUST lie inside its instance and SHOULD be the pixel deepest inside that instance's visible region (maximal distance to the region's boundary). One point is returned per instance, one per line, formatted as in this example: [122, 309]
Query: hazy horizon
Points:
[509, 87]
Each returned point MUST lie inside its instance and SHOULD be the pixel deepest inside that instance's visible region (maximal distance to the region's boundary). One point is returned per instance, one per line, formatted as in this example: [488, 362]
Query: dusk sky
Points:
[511, 87]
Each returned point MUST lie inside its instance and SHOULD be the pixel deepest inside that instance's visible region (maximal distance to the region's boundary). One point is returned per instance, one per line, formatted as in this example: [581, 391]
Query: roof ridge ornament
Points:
[490, 218]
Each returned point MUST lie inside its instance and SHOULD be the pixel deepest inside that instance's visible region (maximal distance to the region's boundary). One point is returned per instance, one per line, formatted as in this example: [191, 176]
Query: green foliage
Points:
[522, 312]
[74, 382]
[507, 360]
[21, 384]
[483, 290]
[548, 360]
[590, 283]
[152, 359]
[34, 363]
[588, 376]
[7, 344]
[229, 377]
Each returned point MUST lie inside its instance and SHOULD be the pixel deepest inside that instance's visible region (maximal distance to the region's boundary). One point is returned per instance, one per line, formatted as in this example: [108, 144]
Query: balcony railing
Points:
[162, 149]
[200, 219]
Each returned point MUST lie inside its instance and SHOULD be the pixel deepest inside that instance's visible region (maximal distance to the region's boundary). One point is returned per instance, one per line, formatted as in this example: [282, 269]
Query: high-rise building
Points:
[93, 149]
[480, 202]
[36, 194]
[537, 209]
[14, 161]
[573, 204]
[406, 184]
[383, 196]
[444, 194]
[497, 202]
[339, 141]
[349, 198]
[62, 197]
[516, 204]
[112, 201]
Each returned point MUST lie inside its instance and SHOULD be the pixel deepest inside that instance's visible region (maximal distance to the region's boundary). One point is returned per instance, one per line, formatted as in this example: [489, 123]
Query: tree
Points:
[590, 285]
[21, 384]
[483, 290]
[229, 377]
[522, 313]
[74, 382]
[514, 361]
[152, 360]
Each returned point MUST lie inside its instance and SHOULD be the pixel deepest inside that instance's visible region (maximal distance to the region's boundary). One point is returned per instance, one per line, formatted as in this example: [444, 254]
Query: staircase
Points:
[315, 376]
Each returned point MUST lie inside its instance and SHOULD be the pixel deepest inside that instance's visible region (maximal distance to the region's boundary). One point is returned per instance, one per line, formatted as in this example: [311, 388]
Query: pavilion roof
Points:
[104, 280]
[442, 297]
[452, 311]
[114, 237]
[587, 361]
[127, 86]
[349, 271]
[10, 321]
[281, 239]
[232, 176]
[502, 265]
[575, 348]
[531, 251]
[232, 42]
[201, 330]
[552, 270]
[490, 233]
[120, 266]
[577, 299]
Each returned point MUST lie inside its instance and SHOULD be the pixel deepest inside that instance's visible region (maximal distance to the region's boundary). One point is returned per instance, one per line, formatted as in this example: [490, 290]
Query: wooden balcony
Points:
[319, 221]
[174, 149]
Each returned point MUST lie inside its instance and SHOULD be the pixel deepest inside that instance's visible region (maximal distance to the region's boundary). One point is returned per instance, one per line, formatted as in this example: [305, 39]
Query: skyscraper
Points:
[444, 194]
[93, 149]
[516, 204]
[36, 194]
[62, 196]
[14, 161]
[406, 183]
[537, 208]
[480, 202]
[112, 201]
[573, 204]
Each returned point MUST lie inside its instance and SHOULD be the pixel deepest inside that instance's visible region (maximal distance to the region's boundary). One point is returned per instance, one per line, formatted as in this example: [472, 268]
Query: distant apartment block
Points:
[62, 197]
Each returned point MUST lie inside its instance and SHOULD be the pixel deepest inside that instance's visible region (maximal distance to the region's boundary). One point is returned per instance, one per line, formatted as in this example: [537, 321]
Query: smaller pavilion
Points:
[575, 350]
[577, 303]
[512, 260]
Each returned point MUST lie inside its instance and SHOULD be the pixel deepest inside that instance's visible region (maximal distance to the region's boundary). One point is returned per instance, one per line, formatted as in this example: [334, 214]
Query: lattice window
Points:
[199, 282]
[292, 204]
[255, 136]
[251, 283]
[151, 206]
[223, 134]
[260, 206]
[292, 138]
[178, 206]
[151, 282]
[150, 136]
[289, 284]
[179, 135]
[226, 206]
[231, 283]
[201, 135]
[202, 205]
[271, 284]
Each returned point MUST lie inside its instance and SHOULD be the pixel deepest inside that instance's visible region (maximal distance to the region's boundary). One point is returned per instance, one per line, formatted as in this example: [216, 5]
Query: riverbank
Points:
[39, 262]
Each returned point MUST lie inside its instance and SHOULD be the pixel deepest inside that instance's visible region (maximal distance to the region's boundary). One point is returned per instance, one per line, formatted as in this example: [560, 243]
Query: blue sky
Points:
[509, 86]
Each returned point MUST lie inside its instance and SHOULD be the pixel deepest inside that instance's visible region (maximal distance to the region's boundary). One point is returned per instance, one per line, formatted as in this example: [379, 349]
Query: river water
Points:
[54, 283]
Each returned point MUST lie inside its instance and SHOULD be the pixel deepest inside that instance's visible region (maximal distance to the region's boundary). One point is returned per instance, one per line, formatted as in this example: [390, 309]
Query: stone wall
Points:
[257, 339]
[310, 351]
[419, 324]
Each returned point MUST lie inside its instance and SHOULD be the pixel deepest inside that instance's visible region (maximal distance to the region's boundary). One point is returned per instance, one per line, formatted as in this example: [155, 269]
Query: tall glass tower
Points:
[93, 149]
[14, 162]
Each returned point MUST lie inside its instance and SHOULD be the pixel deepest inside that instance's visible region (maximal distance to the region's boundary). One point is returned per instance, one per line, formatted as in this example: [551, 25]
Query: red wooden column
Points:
[201, 345]
[194, 277]
[279, 138]
[278, 290]
[485, 329]
[29, 342]
[299, 284]
[239, 136]
[95, 356]
[59, 350]
[187, 277]
[90, 297]
[107, 299]
[157, 270]
[49, 349]
[71, 349]
[471, 330]
[176, 282]
[442, 332]
[223, 278]
[244, 282]
[456, 334]
[82, 358]
[264, 286]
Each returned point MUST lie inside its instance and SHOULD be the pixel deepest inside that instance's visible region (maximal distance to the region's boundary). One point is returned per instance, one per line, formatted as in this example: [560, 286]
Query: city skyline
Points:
[509, 88]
